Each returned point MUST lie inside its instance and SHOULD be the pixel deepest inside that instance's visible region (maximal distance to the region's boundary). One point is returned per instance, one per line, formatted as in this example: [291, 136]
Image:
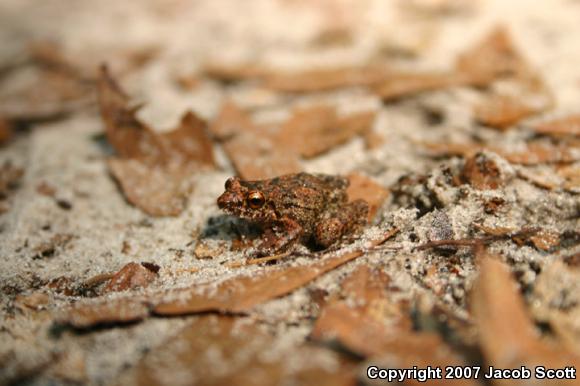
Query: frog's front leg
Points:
[348, 220]
[281, 236]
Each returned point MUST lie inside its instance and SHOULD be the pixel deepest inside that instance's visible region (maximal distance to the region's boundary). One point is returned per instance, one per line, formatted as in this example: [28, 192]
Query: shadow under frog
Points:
[311, 209]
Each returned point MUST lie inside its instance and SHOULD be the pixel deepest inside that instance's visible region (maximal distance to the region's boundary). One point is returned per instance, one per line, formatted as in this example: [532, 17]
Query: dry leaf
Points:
[89, 314]
[370, 324]
[6, 131]
[52, 86]
[240, 346]
[257, 157]
[569, 125]
[240, 294]
[9, 179]
[506, 334]
[545, 240]
[254, 153]
[571, 174]
[157, 191]
[482, 172]
[403, 84]
[231, 72]
[362, 187]
[154, 170]
[323, 128]
[503, 111]
[326, 78]
[494, 56]
[131, 276]
[534, 153]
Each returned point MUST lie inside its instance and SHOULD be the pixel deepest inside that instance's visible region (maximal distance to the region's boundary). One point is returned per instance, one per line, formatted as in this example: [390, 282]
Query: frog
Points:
[310, 209]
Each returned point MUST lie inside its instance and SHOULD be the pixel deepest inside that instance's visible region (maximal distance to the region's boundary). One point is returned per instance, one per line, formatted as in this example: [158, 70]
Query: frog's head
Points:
[245, 199]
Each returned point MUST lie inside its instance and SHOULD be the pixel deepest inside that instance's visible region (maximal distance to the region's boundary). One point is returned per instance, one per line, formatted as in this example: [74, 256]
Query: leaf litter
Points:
[368, 307]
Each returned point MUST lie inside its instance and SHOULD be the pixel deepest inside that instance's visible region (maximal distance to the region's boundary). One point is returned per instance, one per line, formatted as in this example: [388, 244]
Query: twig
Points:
[526, 232]
[258, 260]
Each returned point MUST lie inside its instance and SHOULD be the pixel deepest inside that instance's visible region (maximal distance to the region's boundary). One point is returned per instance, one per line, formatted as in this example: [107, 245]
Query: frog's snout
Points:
[229, 200]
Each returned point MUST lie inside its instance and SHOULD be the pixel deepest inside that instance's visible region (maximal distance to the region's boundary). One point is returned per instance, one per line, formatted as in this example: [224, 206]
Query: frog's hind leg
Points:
[350, 219]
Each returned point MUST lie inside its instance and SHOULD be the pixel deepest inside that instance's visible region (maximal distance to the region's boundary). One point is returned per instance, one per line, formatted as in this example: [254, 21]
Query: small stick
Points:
[258, 260]
[478, 241]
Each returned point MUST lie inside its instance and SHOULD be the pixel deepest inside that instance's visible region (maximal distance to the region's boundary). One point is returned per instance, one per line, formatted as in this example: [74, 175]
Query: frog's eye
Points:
[256, 199]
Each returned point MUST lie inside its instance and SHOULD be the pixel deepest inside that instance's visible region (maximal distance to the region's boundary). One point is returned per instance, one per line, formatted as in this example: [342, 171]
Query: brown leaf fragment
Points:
[88, 314]
[46, 189]
[362, 187]
[403, 84]
[131, 138]
[385, 346]
[569, 125]
[10, 177]
[240, 346]
[482, 172]
[242, 293]
[545, 240]
[131, 276]
[571, 174]
[6, 131]
[504, 111]
[48, 248]
[494, 56]
[254, 152]
[157, 191]
[539, 153]
[231, 121]
[573, 260]
[233, 72]
[34, 301]
[326, 78]
[324, 128]
[154, 170]
[534, 153]
[506, 334]
[46, 86]
[257, 157]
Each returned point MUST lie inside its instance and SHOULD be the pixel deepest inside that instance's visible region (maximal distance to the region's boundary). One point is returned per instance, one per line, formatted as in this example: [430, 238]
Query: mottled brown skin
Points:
[296, 208]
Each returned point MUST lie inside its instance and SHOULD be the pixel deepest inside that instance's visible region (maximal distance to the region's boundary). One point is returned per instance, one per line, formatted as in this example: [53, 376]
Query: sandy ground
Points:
[279, 33]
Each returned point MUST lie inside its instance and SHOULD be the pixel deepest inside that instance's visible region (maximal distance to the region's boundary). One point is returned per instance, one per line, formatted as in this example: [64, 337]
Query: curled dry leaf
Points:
[507, 336]
[131, 276]
[362, 187]
[154, 170]
[242, 293]
[240, 346]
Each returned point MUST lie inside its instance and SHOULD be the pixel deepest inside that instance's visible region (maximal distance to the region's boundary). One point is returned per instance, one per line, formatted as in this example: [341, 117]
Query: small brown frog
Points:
[306, 208]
